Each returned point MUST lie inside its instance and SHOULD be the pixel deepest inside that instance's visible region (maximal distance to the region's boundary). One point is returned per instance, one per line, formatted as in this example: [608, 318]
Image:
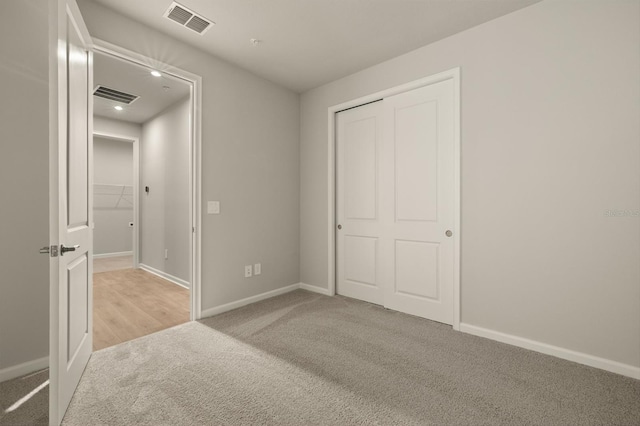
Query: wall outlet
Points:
[247, 271]
[257, 269]
[213, 207]
[166, 253]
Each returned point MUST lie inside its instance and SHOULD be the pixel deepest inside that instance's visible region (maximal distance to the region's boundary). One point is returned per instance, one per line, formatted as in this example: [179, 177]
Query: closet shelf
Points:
[112, 196]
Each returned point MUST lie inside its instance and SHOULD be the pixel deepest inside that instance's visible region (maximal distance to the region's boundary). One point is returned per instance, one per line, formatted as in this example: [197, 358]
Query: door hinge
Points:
[50, 250]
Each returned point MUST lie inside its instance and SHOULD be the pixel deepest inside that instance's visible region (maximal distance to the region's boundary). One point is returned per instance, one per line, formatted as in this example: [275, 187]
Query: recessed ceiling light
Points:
[156, 73]
[118, 108]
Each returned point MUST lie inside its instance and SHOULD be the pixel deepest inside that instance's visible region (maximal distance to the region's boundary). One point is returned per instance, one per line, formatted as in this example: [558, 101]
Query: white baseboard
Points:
[117, 254]
[315, 289]
[243, 302]
[168, 277]
[579, 357]
[23, 369]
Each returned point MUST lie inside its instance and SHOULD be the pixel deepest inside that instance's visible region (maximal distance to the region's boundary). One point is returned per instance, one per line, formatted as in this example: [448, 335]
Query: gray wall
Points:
[117, 127]
[24, 174]
[550, 142]
[165, 210]
[112, 165]
[250, 158]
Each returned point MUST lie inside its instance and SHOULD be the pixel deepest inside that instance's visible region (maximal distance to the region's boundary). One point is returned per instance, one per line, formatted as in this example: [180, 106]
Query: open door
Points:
[70, 335]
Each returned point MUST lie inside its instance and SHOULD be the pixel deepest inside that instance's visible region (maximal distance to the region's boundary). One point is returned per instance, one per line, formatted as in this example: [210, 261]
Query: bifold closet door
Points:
[395, 205]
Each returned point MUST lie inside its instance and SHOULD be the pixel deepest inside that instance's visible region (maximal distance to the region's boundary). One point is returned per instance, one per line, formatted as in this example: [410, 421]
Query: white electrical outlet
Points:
[247, 271]
[257, 269]
[166, 253]
[213, 207]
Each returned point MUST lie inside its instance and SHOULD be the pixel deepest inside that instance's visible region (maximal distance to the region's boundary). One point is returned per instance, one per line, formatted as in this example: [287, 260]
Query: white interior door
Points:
[359, 134]
[395, 202]
[418, 191]
[71, 215]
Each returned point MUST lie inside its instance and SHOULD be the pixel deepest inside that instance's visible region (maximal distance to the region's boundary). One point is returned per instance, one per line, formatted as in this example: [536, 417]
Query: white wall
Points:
[165, 209]
[250, 159]
[550, 141]
[112, 165]
[117, 128]
[24, 188]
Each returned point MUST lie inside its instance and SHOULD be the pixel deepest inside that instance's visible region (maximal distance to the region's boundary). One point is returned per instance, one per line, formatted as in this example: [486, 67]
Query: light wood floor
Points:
[104, 264]
[132, 303]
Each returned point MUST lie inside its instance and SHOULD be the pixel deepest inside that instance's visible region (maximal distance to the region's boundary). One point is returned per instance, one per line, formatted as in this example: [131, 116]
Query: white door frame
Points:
[136, 187]
[195, 163]
[452, 74]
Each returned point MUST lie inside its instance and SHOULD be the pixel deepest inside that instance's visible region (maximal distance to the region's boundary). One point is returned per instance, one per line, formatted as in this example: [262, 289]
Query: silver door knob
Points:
[339, 226]
[448, 233]
[64, 249]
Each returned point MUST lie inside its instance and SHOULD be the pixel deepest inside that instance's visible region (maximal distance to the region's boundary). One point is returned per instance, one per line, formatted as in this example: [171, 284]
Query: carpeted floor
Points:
[25, 400]
[303, 358]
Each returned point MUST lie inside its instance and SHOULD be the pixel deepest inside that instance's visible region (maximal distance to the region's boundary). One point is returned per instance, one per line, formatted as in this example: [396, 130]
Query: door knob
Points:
[339, 226]
[448, 233]
[64, 249]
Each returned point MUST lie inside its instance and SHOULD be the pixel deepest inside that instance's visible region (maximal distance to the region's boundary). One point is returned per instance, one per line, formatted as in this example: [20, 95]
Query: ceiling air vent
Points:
[188, 18]
[114, 95]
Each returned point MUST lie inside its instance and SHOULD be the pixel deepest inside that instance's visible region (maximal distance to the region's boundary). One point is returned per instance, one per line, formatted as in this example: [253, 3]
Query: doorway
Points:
[71, 67]
[115, 202]
[394, 209]
[141, 200]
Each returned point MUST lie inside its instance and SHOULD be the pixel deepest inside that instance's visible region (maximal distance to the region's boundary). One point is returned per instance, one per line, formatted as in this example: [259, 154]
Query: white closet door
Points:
[395, 202]
[417, 174]
[359, 134]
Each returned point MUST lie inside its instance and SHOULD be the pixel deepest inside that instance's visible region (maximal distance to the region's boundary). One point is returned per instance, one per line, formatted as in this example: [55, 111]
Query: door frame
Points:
[452, 74]
[136, 187]
[195, 151]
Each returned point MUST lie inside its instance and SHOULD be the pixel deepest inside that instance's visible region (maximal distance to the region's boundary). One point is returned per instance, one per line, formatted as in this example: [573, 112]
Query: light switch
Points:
[213, 207]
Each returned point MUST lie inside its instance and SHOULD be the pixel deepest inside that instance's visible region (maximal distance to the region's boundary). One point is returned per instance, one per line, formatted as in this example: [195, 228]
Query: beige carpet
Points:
[25, 401]
[303, 358]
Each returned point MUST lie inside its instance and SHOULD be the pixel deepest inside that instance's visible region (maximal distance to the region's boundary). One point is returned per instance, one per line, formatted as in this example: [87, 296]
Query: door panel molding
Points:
[454, 76]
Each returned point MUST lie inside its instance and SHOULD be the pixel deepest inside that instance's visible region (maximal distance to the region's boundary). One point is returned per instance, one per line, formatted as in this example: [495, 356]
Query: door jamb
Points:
[195, 163]
[136, 187]
[452, 74]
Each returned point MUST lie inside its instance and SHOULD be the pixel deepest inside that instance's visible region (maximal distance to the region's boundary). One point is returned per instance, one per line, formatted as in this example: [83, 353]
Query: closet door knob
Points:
[339, 226]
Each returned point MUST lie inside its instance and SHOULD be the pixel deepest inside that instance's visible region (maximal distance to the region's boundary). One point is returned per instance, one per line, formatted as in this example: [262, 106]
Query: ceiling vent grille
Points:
[114, 95]
[188, 18]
